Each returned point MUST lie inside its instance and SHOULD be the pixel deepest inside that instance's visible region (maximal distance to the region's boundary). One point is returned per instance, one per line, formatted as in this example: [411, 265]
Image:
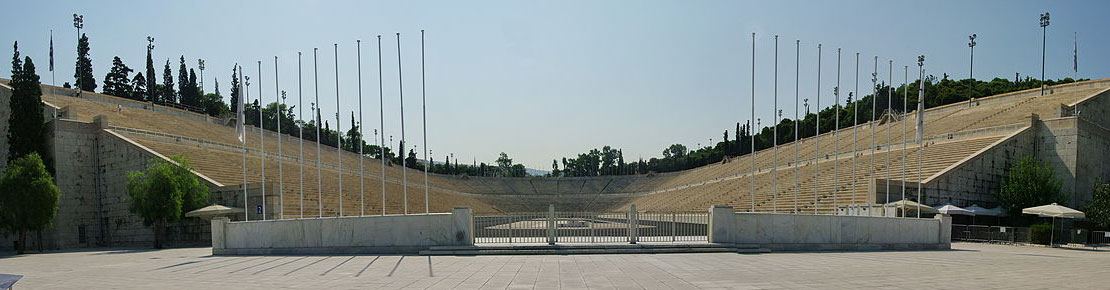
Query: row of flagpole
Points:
[244, 91]
[855, 126]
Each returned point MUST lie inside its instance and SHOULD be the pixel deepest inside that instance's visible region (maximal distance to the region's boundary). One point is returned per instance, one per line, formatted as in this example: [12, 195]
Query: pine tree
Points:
[138, 87]
[116, 82]
[151, 93]
[25, 131]
[84, 72]
[168, 95]
[235, 89]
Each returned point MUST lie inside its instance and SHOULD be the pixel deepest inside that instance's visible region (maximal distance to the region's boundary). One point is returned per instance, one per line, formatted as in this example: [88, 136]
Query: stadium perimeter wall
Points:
[364, 234]
[800, 232]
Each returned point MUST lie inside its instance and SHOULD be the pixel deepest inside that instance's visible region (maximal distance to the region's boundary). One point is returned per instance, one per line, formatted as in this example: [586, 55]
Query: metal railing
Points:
[591, 227]
[1021, 235]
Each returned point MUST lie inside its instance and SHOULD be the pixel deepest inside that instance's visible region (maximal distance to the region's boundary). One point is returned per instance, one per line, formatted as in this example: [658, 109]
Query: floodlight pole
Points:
[752, 133]
[817, 135]
[1044, 40]
[971, 71]
[200, 66]
[775, 143]
[261, 143]
[78, 22]
[338, 128]
[797, 74]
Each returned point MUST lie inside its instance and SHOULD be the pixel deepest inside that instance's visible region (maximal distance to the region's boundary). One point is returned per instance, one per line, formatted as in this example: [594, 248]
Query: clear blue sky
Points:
[543, 80]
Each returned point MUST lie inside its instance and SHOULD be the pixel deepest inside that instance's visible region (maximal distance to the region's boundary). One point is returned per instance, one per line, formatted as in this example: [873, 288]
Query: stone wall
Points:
[364, 234]
[972, 180]
[827, 232]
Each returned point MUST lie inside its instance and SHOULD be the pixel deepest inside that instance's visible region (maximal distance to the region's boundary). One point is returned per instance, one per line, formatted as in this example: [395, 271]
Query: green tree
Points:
[235, 90]
[168, 94]
[28, 197]
[25, 124]
[164, 192]
[116, 82]
[152, 95]
[84, 71]
[138, 87]
[1098, 210]
[1028, 183]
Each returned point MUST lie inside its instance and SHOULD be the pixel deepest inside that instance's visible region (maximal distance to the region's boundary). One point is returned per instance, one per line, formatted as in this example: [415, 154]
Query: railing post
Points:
[551, 224]
[633, 225]
[674, 224]
[511, 229]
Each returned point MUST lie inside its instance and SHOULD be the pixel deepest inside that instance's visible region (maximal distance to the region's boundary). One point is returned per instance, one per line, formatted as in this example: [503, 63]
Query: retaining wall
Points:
[795, 232]
[365, 234]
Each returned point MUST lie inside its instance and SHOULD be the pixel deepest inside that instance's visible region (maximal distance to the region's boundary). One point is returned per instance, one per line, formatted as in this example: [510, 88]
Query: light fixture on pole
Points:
[200, 66]
[971, 70]
[1044, 40]
[79, 22]
[920, 127]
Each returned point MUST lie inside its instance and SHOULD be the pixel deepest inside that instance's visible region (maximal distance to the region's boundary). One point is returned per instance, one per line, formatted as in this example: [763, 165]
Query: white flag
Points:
[920, 122]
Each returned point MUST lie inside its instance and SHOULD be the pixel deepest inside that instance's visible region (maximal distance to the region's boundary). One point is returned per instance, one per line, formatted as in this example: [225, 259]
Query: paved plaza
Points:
[967, 266]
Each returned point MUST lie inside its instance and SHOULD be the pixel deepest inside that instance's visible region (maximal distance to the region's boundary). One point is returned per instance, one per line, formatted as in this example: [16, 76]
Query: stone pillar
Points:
[722, 220]
[464, 225]
[633, 225]
[218, 234]
[551, 224]
[944, 235]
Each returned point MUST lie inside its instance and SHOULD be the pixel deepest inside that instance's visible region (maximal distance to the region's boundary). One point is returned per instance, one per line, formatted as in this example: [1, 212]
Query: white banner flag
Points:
[240, 126]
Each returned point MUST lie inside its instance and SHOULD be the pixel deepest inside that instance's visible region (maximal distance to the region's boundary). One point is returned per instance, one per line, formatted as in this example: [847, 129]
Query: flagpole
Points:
[889, 101]
[381, 114]
[817, 135]
[921, 127]
[319, 121]
[338, 130]
[836, 135]
[53, 80]
[752, 153]
[361, 167]
[281, 170]
[300, 131]
[905, 106]
[261, 143]
[401, 93]
[775, 138]
[871, 123]
[797, 78]
[424, 102]
[241, 116]
[855, 136]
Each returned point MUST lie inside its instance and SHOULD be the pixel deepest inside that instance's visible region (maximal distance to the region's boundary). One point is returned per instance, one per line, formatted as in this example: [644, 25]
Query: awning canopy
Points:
[952, 210]
[978, 210]
[1053, 210]
[215, 210]
[909, 205]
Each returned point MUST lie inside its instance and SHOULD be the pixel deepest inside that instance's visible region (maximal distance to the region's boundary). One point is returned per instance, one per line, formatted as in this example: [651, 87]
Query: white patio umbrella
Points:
[1055, 211]
[978, 210]
[952, 210]
[909, 205]
[209, 212]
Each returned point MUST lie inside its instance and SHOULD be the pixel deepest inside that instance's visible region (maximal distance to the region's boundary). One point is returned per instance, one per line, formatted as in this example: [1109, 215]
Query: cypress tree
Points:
[151, 83]
[235, 89]
[193, 90]
[183, 95]
[168, 95]
[138, 87]
[25, 124]
[84, 73]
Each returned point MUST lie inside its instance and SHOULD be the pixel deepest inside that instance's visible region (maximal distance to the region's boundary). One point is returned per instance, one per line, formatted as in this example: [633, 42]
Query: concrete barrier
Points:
[366, 234]
[799, 232]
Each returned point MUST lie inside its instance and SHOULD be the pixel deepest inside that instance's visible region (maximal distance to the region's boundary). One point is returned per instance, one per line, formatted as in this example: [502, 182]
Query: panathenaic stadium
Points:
[95, 140]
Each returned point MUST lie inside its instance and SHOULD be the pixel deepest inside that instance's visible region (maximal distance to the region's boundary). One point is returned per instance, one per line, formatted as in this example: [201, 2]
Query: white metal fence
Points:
[591, 227]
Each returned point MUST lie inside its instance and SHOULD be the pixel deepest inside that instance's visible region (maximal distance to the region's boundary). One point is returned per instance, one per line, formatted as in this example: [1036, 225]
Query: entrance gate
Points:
[591, 227]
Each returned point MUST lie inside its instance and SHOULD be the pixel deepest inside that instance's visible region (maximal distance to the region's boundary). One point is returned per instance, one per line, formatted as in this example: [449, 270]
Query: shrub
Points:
[1040, 233]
